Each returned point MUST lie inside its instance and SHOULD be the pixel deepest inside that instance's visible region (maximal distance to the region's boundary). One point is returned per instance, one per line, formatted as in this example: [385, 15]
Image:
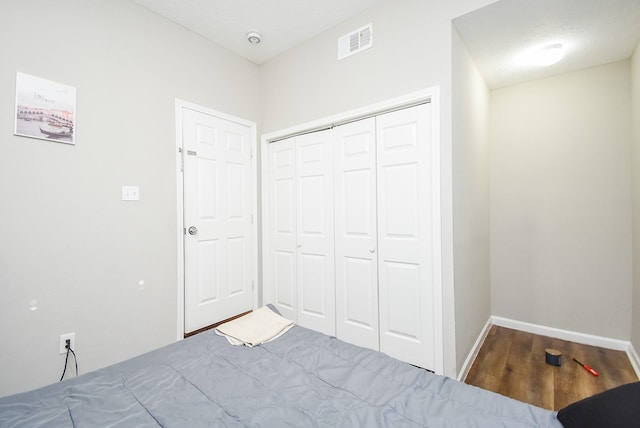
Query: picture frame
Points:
[44, 109]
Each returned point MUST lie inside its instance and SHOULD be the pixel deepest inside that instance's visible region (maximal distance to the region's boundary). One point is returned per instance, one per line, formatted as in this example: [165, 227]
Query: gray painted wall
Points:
[561, 201]
[470, 200]
[67, 238]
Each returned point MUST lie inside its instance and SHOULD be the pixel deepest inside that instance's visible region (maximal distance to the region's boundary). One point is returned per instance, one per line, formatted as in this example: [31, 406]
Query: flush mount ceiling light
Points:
[254, 37]
[545, 55]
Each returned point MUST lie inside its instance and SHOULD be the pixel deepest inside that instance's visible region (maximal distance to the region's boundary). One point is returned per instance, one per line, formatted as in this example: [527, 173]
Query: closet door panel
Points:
[355, 233]
[283, 293]
[404, 235]
[285, 281]
[313, 294]
[315, 254]
[402, 303]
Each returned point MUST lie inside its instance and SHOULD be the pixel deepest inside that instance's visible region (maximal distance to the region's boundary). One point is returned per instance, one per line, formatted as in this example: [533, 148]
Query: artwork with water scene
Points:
[44, 109]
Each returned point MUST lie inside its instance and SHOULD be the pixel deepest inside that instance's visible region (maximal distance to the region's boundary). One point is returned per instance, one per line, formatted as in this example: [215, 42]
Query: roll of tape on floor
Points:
[553, 357]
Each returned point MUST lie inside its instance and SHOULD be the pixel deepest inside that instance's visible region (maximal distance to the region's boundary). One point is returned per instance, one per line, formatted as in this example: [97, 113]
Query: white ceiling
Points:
[594, 32]
[282, 23]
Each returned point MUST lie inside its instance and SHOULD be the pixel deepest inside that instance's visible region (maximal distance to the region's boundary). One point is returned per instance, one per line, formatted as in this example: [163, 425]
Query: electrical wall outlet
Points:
[63, 342]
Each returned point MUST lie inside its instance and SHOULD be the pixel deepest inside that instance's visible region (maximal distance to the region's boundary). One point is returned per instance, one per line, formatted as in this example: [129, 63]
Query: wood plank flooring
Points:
[512, 363]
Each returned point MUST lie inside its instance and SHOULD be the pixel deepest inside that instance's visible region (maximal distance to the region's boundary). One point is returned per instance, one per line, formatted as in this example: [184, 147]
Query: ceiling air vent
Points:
[355, 42]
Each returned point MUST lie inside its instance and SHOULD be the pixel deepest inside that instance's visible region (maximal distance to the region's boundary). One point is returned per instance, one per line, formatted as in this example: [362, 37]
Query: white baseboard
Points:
[634, 359]
[572, 336]
[466, 366]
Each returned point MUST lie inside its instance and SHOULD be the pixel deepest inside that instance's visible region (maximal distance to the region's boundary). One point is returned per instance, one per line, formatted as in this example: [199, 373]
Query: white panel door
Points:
[282, 251]
[315, 255]
[405, 257]
[355, 233]
[218, 238]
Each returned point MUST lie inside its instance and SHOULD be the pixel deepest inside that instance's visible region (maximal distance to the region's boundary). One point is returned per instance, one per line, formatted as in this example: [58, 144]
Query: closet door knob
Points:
[299, 245]
[372, 250]
[192, 230]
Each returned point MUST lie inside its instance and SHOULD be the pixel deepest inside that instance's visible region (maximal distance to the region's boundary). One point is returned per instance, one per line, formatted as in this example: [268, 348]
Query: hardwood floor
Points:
[512, 363]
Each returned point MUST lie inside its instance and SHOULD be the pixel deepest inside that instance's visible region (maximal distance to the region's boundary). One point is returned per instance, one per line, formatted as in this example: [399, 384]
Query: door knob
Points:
[372, 250]
[193, 230]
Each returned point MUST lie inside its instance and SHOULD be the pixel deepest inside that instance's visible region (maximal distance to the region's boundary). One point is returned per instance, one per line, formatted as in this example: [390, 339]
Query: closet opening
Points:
[351, 227]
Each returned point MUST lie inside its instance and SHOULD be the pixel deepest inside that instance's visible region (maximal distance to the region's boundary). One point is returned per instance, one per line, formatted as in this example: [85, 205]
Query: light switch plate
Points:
[130, 193]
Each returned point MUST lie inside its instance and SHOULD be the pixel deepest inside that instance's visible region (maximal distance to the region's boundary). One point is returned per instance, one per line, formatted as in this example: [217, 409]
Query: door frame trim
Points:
[432, 95]
[179, 106]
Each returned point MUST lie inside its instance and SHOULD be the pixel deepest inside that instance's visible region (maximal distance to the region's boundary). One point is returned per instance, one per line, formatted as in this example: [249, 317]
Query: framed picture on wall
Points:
[45, 109]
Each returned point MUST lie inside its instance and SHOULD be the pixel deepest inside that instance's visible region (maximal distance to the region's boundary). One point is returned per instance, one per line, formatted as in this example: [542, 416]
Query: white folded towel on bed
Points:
[260, 326]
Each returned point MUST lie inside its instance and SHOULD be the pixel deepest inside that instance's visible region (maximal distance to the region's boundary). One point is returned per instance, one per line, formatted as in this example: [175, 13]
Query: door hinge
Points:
[181, 159]
[253, 286]
[251, 218]
[251, 152]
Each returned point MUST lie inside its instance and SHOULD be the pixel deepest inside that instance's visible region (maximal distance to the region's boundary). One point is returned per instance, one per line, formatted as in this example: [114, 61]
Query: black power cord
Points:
[66, 360]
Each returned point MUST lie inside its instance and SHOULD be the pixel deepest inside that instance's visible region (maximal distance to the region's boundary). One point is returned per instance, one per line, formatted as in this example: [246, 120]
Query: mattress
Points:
[302, 379]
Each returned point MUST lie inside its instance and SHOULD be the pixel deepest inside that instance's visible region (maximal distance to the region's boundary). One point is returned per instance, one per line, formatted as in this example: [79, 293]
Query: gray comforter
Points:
[302, 379]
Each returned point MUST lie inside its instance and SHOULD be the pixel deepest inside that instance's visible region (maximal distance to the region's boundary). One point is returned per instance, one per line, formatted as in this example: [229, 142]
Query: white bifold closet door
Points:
[302, 214]
[351, 244]
[356, 233]
[282, 237]
[383, 234]
[405, 235]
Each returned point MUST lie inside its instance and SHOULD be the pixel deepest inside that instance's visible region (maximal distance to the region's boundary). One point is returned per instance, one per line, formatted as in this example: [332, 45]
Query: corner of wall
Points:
[470, 157]
[475, 350]
[635, 168]
[634, 359]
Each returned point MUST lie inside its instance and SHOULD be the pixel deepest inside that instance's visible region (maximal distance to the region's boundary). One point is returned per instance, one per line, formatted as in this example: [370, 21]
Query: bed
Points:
[301, 379]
